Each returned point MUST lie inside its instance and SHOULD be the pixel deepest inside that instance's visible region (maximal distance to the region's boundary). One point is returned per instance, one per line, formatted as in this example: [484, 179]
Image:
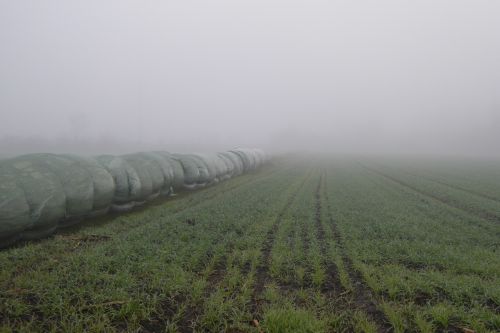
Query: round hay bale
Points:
[15, 214]
[177, 170]
[127, 182]
[103, 183]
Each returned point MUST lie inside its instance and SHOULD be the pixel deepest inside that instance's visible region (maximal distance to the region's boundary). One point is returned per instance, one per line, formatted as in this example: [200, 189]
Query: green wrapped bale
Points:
[149, 163]
[190, 170]
[102, 182]
[127, 182]
[40, 192]
[252, 157]
[209, 165]
[229, 166]
[246, 160]
[142, 168]
[222, 167]
[166, 174]
[237, 162]
[15, 214]
[43, 191]
[177, 170]
[206, 175]
[76, 183]
[226, 167]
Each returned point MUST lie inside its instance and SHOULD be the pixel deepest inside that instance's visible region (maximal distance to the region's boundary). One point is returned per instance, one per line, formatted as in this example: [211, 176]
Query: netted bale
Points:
[257, 158]
[228, 163]
[205, 176]
[223, 167]
[247, 159]
[43, 192]
[40, 192]
[252, 156]
[177, 170]
[167, 170]
[149, 176]
[15, 214]
[237, 162]
[127, 182]
[209, 165]
[77, 185]
[160, 171]
[243, 159]
[103, 183]
[230, 167]
[191, 170]
[219, 166]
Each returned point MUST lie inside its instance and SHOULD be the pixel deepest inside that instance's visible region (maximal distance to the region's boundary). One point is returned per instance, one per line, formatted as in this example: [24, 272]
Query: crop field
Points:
[302, 245]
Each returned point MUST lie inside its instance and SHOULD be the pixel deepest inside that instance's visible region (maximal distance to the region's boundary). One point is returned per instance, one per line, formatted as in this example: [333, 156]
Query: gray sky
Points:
[350, 76]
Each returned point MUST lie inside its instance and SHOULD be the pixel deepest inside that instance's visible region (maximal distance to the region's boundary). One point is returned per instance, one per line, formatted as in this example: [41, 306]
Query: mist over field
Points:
[250, 166]
[384, 77]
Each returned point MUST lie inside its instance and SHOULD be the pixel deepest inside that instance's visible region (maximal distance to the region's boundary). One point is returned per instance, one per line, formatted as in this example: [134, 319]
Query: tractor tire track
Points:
[306, 245]
[457, 187]
[475, 212]
[416, 173]
[332, 287]
[479, 214]
[362, 295]
[182, 307]
[183, 310]
[193, 310]
[262, 274]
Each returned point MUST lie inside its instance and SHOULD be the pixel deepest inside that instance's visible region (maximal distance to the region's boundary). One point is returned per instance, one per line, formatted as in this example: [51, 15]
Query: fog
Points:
[380, 77]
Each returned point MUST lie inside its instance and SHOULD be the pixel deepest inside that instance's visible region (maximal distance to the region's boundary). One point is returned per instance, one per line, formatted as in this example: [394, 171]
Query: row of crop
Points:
[430, 267]
[41, 192]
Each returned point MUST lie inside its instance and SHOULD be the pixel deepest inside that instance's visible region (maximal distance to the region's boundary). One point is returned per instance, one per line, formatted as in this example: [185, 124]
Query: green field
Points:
[303, 245]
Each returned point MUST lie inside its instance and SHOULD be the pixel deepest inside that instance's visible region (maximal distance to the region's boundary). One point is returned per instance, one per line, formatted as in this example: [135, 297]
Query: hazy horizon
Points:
[360, 77]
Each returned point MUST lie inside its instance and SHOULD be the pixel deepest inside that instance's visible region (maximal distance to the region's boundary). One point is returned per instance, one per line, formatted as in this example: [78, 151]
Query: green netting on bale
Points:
[206, 175]
[40, 192]
[177, 170]
[76, 183]
[222, 167]
[190, 170]
[246, 160]
[102, 182]
[237, 162]
[143, 169]
[44, 193]
[166, 169]
[14, 209]
[229, 166]
[126, 179]
[209, 165]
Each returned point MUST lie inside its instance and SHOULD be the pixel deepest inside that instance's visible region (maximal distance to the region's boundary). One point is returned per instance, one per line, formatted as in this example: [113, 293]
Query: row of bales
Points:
[41, 192]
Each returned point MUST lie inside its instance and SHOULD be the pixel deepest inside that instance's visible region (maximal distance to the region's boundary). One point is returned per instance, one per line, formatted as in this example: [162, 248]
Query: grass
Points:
[317, 246]
[291, 320]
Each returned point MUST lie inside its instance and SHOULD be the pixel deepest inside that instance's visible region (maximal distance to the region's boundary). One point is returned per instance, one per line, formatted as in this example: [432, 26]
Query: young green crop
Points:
[300, 246]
